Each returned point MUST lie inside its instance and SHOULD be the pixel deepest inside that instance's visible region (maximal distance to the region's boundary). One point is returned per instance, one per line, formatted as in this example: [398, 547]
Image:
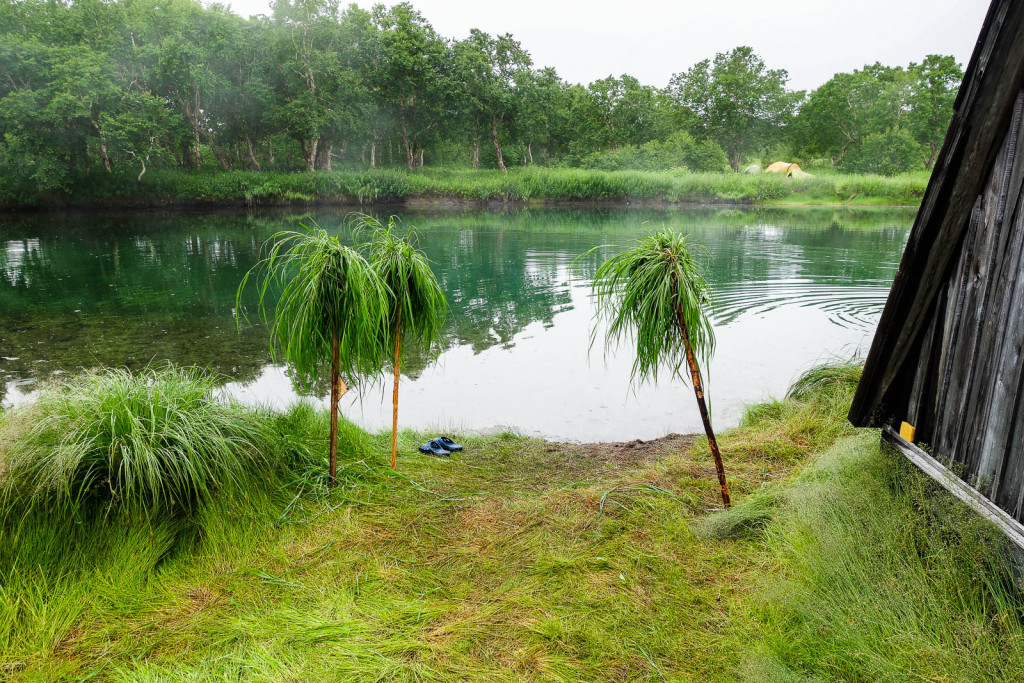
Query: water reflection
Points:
[81, 290]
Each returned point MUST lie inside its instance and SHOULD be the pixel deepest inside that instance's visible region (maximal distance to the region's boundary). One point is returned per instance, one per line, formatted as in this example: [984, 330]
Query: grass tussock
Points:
[808, 420]
[156, 441]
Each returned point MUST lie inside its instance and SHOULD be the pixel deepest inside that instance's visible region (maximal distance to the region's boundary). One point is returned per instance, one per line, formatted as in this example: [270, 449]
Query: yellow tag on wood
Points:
[908, 431]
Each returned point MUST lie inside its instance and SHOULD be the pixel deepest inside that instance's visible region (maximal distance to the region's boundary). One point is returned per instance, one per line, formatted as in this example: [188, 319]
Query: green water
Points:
[793, 286]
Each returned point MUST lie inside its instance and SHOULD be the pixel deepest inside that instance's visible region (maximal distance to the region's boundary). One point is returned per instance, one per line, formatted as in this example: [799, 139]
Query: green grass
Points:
[883, 576]
[521, 559]
[157, 441]
[522, 185]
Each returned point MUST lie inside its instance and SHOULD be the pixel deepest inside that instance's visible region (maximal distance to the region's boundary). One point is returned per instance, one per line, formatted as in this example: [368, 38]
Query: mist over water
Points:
[792, 287]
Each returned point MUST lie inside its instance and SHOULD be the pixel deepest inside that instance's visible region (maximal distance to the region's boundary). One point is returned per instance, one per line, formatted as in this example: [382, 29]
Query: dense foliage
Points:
[95, 89]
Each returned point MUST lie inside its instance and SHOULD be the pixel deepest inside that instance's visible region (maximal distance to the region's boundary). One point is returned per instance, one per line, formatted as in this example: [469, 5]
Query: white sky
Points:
[653, 39]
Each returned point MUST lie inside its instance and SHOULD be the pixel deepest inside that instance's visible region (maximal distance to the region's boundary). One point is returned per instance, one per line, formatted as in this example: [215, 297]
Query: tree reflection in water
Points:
[82, 290]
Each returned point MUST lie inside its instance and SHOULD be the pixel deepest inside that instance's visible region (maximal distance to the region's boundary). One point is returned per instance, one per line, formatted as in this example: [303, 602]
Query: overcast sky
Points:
[652, 39]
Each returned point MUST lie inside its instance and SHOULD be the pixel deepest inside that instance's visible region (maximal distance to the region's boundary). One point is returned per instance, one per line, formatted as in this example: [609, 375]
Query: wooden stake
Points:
[698, 390]
[394, 396]
[335, 397]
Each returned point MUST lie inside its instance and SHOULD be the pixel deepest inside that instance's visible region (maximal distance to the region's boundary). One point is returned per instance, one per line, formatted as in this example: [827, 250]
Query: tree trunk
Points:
[103, 146]
[529, 152]
[325, 163]
[197, 159]
[104, 155]
[497, 147]
[373, 154]
[410, 155]
[251, 154]
[179, 159]
[698, 390]
[338, 388]
[476, 154]
[311, 151]
[394, 396]
[362, 154]
[222, 159]
[420, 163]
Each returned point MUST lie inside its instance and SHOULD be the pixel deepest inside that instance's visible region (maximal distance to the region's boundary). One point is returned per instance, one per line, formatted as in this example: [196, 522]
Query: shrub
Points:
[894, 151]
[679, 150]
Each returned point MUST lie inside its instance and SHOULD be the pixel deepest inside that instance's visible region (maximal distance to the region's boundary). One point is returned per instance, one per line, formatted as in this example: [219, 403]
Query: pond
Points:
[792, 287]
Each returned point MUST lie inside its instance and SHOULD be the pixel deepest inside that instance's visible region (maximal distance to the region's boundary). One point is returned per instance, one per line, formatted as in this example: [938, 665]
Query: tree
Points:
[176, 42]
[910, 107]
[655, 294]
[936, 82]
[541, 112]
[490, 69]
[887, 153]
[411, 71]
[416, 304]
[332, 311]
[629, 110]
[736, 99]
[322, 93]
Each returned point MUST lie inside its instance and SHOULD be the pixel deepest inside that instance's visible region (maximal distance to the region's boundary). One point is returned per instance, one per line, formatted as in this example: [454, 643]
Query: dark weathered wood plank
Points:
[919, 404]
[982, 116]
[1011, 494]
[970, 420]
[999, 462]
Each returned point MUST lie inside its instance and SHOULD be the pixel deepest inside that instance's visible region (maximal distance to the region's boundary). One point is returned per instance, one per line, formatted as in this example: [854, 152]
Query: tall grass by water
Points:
[154, 441]
[531, 184]
[518, 559]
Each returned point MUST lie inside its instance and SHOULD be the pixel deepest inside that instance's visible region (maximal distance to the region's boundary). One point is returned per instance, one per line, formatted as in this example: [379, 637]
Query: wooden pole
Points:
[698, 390]
[335, 396]
[394, 396]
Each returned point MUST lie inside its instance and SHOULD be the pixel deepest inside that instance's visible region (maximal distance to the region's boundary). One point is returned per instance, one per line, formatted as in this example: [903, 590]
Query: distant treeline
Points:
[96, 87]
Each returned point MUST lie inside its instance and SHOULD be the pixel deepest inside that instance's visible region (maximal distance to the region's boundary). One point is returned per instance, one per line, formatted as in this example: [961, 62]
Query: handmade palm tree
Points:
[332, 311]
[416, 305]
[655, 294]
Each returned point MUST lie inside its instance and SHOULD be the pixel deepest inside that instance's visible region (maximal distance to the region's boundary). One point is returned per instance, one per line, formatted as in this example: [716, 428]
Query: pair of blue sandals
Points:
[441, 445]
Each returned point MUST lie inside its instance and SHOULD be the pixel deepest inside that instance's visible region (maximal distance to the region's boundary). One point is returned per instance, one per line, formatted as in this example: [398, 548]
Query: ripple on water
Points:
[850, 306]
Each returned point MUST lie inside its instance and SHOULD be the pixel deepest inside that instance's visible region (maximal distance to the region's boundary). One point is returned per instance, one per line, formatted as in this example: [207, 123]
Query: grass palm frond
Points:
[415, 298]
[641, 294]
[327, 290]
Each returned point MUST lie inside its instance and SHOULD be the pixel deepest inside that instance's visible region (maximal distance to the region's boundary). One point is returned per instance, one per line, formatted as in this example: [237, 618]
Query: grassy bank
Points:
[518, 559]
[473, 186]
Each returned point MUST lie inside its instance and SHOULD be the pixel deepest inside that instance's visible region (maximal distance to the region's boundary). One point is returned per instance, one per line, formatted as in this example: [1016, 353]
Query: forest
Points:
[93, 90]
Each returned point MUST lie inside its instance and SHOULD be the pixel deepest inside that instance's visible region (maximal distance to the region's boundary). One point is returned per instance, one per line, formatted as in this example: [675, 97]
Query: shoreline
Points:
[462, 188]
[426, 202]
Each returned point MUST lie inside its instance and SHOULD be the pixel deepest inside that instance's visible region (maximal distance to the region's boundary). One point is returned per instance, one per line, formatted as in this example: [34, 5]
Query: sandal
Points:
[433, 448]
[448, 444]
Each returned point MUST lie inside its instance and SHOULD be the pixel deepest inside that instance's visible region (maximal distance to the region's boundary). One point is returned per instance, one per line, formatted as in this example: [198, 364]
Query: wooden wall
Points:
[966, 385]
